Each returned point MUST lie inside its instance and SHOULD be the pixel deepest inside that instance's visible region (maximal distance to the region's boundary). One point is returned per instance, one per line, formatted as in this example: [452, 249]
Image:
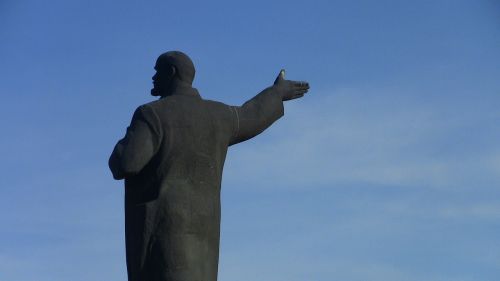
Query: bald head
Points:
[171, 68]
[183, 65]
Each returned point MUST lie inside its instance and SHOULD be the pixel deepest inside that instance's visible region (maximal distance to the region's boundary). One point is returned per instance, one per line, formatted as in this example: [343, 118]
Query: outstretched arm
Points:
[138, 146]
[264, 109]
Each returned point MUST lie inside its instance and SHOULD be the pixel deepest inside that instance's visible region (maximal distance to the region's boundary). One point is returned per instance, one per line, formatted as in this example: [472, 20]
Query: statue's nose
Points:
[154, 77]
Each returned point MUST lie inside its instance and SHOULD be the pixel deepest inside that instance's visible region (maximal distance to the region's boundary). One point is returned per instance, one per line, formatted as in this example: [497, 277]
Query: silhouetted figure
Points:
[172, 158]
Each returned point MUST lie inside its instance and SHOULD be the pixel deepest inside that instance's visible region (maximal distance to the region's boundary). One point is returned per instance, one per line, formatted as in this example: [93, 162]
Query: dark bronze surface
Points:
[172, 158]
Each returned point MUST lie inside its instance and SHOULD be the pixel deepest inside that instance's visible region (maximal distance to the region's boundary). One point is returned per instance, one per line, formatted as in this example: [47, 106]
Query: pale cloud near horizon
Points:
[278, 266]
[429, 170]
[346, 136]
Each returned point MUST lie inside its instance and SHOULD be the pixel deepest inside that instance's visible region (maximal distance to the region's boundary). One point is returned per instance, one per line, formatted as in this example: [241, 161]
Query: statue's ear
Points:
[173, 71]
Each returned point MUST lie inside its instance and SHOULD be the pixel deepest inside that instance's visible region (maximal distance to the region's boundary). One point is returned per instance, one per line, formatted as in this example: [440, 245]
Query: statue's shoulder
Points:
[150, 106]
[157, 105]
[220, 107]
[215, 103]
[169, 104]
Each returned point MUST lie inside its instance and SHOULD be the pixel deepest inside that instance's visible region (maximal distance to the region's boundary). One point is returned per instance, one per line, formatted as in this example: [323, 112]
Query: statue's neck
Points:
[178, 87]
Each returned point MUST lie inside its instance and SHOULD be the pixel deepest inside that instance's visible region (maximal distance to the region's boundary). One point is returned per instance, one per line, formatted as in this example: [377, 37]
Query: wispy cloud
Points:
[346, 136]
[475, 211]
[417, 234]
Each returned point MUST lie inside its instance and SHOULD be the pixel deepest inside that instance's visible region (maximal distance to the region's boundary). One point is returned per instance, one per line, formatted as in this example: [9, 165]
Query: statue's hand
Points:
[289, 89]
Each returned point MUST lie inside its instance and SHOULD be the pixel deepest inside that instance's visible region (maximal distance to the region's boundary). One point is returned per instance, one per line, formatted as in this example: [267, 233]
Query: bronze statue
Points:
[172, 158]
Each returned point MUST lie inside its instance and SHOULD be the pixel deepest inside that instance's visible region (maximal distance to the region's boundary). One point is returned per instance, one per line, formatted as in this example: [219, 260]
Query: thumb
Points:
[281, 77]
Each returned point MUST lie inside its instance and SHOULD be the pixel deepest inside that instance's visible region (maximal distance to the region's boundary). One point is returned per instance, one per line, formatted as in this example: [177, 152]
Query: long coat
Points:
[172, 158]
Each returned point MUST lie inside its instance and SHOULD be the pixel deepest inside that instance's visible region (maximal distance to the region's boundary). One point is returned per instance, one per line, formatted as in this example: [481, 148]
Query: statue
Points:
[172, 158]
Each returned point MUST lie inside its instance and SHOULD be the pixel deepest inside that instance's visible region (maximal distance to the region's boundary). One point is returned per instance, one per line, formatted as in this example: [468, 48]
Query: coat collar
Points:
[183, 89]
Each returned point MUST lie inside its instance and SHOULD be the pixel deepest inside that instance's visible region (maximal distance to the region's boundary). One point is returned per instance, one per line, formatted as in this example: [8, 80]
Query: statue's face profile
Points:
[162, 78]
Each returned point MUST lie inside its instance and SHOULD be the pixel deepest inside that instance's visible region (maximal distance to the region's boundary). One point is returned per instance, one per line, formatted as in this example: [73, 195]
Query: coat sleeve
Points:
[139, 145]
[256, 115]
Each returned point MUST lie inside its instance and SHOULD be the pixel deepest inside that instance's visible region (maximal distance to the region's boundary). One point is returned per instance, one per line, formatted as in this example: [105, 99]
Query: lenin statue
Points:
[172, 158]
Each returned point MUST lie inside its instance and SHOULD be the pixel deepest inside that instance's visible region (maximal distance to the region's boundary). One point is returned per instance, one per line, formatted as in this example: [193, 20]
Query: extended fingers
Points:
[301, 87]
[301, 84]
[295, 89]
[298, 93]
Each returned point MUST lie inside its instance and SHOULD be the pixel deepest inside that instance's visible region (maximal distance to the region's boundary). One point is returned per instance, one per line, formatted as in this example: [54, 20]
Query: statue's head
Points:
[171, 68]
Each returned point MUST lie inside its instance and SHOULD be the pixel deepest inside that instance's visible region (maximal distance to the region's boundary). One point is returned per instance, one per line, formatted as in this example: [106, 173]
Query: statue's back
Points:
[173, 220]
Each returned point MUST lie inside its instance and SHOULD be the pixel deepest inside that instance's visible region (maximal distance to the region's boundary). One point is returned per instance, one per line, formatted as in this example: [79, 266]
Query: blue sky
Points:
[388, 170]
